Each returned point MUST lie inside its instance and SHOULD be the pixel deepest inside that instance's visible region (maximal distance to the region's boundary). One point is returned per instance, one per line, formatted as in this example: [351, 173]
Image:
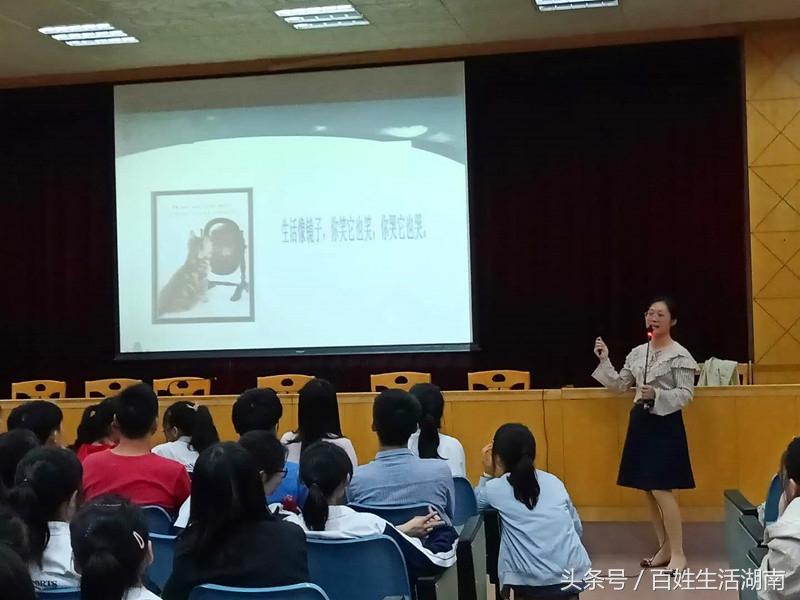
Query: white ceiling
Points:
[180, 32]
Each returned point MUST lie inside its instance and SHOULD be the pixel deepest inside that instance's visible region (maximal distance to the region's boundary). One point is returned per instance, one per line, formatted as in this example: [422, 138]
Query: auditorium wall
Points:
[772, 67]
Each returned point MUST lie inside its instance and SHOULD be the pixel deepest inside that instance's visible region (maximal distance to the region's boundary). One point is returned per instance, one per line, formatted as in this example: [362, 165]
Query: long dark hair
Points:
[323, 468]
[46, 478]
[226, 493]
[515, 445]
[193, 420]
[317, 414]
[14, 533]
[95, 423]
[432, 402]
[109, 541]
[13, 446]
[15, 579]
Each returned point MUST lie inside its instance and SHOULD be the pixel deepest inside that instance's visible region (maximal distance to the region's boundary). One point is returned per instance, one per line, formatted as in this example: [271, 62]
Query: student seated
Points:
[270, 458]
[188, 429]
[783, 536]
[45, 495]
[13, 446]
[112, 549]
[428, 442]
[428, 545]
[15, 581]
[232, 538]
[260, 409]
[396, 476]
[318, 419]
[41, 417]
[96, 432]
[541, 533]
[130, 470]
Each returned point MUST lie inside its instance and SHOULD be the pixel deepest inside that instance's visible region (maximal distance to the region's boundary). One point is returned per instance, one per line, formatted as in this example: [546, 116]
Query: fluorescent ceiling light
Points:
[89, 35]
[315, 10]
[103, 42]
[549, 5]
[327, 24]
[348, 16]
[74, 28]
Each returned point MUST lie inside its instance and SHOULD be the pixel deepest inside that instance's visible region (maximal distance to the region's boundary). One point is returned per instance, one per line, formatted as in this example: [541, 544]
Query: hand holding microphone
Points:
[600, 348]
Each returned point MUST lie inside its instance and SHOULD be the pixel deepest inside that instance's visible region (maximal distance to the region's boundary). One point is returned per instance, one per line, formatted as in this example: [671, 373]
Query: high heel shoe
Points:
[647, 563]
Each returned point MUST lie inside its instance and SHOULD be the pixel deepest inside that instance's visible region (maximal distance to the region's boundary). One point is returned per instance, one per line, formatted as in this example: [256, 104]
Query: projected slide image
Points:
[202, 256]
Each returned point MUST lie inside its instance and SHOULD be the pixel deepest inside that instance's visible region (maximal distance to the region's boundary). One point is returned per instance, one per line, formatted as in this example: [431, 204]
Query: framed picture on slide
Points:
[202, 256]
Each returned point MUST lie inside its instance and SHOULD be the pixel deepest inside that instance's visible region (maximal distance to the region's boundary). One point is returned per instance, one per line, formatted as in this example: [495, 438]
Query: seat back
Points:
[182, 386]
[103, 388]
[396, 515]
[402, 380]
[300, 591]
[370, 568]
[38, 389]
[466, 504]
[59, 594]
[158, 519]
[499, 380]
[163, 555]
[745, 373]
[284, 384]
[773, 499]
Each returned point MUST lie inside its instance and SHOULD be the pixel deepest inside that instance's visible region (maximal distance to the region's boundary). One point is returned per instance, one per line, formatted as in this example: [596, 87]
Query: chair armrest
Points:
[742, 504]
[756, 554]
[754, 527]
[491, 523]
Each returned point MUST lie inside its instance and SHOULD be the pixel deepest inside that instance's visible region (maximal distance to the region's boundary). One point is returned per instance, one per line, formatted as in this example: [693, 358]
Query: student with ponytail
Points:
[189, 429]
[428, 544]
[428, 442]
[95, 431]
[540, 541]
[112, 549]
[45, 495]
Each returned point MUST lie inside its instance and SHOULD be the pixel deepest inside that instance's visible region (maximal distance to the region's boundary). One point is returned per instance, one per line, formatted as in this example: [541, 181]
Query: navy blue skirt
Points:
[656, 453]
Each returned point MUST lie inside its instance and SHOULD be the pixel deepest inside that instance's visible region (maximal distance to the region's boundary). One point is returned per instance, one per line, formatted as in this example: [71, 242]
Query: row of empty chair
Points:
[283, 384]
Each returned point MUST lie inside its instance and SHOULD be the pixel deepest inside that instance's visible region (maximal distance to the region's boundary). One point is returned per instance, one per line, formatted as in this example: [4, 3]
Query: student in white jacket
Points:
[783, 536]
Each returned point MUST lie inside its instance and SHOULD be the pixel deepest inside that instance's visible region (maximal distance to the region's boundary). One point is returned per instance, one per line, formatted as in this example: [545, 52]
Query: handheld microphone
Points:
[647, 404]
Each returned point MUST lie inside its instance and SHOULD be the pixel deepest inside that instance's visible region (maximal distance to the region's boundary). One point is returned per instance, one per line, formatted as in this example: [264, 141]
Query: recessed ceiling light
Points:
[73, 28]
[315, 10]
[88, 34]
[322, 17]
[548, 5]
[103, 42]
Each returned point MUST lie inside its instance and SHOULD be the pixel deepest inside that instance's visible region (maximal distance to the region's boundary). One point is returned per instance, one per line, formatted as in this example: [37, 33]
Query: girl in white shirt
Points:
[45, 494]
[112, 550]
[188, 429]
[318, 419]
[428, 442]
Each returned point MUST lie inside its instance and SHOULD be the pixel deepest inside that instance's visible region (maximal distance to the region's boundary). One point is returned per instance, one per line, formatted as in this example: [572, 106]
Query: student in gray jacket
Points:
[540, 545]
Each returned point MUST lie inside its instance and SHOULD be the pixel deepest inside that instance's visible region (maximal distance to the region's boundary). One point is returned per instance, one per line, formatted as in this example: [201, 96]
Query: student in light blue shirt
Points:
[540, 544]
[396, 477]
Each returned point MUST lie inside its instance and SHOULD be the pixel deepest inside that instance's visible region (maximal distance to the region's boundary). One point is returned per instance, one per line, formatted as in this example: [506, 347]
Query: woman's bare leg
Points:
[662, 556]
[673, 527]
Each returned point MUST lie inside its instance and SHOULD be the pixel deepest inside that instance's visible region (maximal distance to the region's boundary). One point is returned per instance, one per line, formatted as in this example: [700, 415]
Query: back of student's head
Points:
[267, 451]
[13, 446]
[193, 420]
[317, 412]
[325, 469]
[110, 543]
[515, 446]
[790, 467]
[15, 579]
[227, 493]
[40, 416]
[14, 532]
[432, 403]
[136, 409]
[47, 480]
[96, 423]
[395, 414]
[256, 408]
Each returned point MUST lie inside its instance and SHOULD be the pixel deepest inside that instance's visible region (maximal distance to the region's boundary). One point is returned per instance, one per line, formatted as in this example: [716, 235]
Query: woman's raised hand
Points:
[600, 348]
